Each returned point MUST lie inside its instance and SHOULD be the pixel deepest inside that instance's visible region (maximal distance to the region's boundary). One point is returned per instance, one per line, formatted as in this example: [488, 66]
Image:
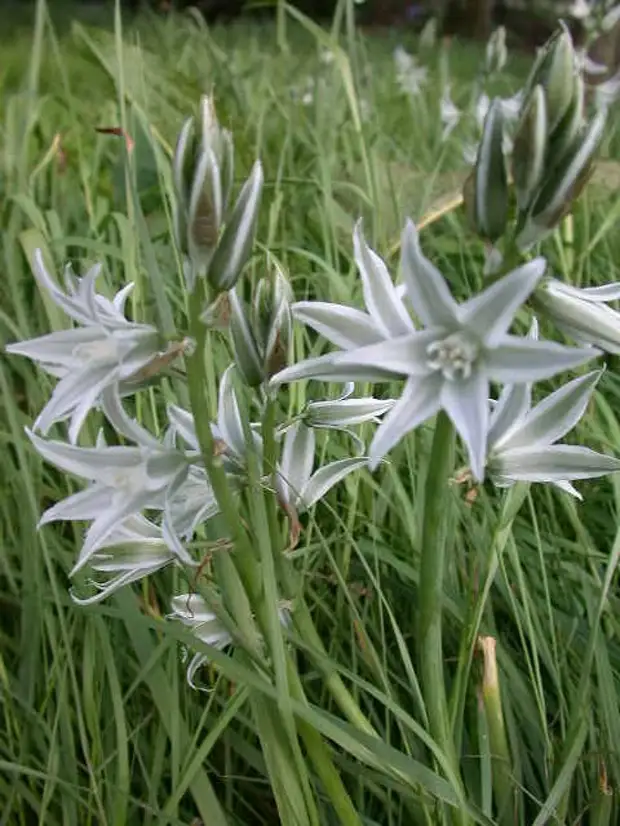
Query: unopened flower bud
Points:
[569, 127]
[530, 143]
[564, 184]
[490, 195]
[203, 171]
[496, 52]
[559, 81]
[273, 321]
[236, 242]
[245, 346]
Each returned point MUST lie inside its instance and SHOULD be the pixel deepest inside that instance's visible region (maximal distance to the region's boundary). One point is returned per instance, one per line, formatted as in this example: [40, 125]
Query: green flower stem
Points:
[199, 399]
[321, 758]
[430, 599]
[503, 784]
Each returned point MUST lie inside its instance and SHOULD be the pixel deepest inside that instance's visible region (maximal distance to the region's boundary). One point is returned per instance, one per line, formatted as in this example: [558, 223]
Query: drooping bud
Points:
[490, 179]
[528, 155]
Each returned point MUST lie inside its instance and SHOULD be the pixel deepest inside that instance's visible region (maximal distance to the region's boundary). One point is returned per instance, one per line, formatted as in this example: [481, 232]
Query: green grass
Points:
[98, 725]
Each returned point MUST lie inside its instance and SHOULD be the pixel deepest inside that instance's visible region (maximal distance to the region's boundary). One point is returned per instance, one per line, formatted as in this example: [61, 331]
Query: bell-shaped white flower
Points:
[194, 612]
[103, 350]
[298, 487]
[582, 313]
[134, 549]
[521, 439]
[449, 364]
[124, 480]
[345, 412]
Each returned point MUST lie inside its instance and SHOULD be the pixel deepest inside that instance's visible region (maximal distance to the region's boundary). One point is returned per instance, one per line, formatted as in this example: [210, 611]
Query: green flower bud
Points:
[236, 242]
[564, 184]
[204, 210]
[272, 321]
[554, 70]
[248, 357]
[559, 81]
[490, 179]
[528, 154]
[570, 125]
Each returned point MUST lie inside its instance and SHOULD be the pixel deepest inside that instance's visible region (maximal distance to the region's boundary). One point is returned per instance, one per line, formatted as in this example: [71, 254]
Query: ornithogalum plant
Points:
[224, 500]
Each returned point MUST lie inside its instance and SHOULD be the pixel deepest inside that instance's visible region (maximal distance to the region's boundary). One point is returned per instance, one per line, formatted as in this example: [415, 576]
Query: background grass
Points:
[98, 725]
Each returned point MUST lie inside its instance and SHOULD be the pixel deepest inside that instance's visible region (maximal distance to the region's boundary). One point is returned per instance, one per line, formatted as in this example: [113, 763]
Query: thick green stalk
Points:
[197, 385]
[430, 599]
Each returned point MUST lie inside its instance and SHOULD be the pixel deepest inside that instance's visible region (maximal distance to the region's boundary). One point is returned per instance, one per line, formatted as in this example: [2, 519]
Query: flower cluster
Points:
[153, 500]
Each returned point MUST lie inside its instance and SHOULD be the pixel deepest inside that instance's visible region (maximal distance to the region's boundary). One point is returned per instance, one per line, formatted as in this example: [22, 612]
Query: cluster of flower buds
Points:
[261, 333]
[214, 236]
[553, 154]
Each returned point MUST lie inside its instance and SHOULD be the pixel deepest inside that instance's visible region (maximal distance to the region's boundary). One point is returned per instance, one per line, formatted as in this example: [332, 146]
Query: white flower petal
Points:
[123, 424]
[466, 403]
[405, 355]
[56, 348]
[553, 464]
[325, 479]
[382, 302]
[182, 422]
[228, 417]
[490, 313]
[419, 401]
[555, 415]
[70, 392]
[343, 326]
[93, 463]
[513, 403]
[426, 287]
[330, 367]
[297, 460]
[86, 504]
[102, 527]
[522, 360]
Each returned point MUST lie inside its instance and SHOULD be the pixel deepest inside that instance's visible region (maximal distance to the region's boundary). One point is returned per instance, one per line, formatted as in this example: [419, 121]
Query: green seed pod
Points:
[528, 155]
[490, 179]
